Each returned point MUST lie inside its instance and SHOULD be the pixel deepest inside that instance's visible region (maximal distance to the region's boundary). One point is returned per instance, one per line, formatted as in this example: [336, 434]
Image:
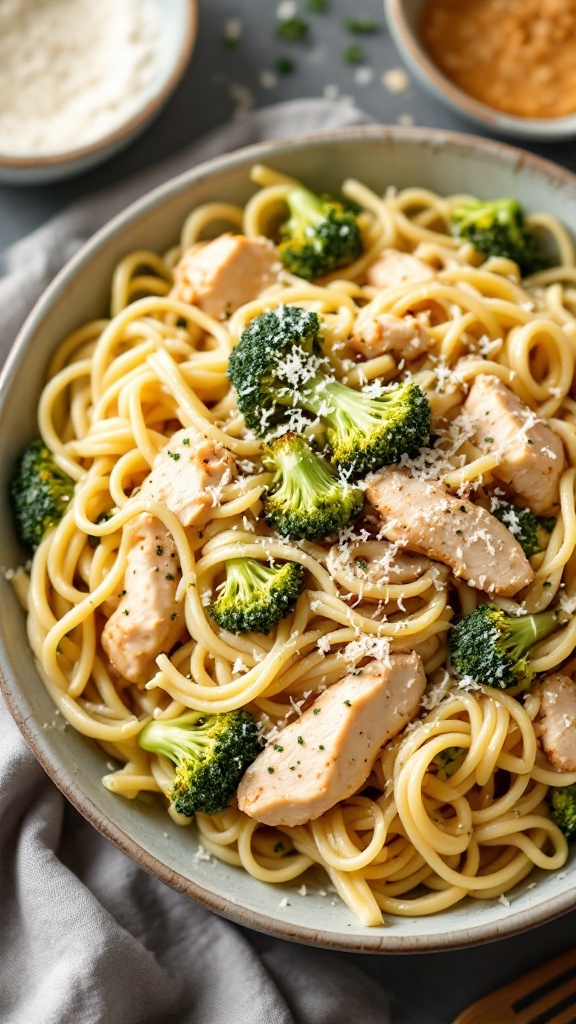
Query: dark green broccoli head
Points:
[320, 236]
[493, 647]
[563, 805]
[307, 501]
[211, 754]
[275, 368]
[40, 492]
[498, 228]
[365, 432]
[274, 357]
[531, 532]
[255, 595]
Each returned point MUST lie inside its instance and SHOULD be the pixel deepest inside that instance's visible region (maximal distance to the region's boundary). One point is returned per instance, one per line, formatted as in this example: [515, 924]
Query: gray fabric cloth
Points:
[86, 937]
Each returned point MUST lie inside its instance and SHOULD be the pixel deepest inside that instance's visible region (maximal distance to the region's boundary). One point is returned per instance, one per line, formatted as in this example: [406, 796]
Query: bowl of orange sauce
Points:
[509, 65]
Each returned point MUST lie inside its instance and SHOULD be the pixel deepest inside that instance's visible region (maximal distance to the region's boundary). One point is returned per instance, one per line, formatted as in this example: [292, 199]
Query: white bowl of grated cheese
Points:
[79, 81]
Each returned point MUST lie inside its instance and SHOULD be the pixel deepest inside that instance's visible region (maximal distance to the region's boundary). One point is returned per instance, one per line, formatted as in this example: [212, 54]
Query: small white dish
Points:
[180, 20]
[403, 18]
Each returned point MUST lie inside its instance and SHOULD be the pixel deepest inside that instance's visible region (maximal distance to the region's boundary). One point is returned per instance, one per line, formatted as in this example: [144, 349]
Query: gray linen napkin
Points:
[86, 937]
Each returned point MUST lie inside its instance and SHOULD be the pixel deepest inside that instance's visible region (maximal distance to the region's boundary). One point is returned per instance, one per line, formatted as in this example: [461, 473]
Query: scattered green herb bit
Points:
[547, 584]
[293, 30]
[316, 711]
[122, 593]
[58, 649]
[174, 616]
[125, 612]
[354, 54]
[530, 441]
[169, 575]
[321, 747]
[300, 739]
[271, 770]
[285, 66]
[174, 455]
[348, 703]
[462, 508]
[186, 441]
[361, 26]
[318, 6]
[361, 563]
[278, 747]
[200, 534]
[292, 767]
[159, 550]
[230, 42]
[279, 848]
[458, 533]
[489, 440]
[181, 322]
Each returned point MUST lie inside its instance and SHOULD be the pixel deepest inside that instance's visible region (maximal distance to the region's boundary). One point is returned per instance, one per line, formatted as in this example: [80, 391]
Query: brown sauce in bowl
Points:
[517, 56]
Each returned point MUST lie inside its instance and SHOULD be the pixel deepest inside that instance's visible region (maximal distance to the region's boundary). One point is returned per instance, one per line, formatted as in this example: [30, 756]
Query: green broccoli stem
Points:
[341, 407]
[304, 475]
[163, 737]
[306, 209]
[527, 630]
[245, 575]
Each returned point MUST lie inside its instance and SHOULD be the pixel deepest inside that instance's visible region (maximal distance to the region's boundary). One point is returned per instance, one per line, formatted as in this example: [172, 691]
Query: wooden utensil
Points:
[544, 996]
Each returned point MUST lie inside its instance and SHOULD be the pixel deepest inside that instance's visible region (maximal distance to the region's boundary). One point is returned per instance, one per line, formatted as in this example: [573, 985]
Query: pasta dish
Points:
[309, 570]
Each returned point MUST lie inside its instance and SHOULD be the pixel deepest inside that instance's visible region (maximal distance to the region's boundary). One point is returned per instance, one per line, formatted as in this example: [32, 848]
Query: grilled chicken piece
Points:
[428, 519]
[148, 619]
[328, 753]
[532, 454]
[377, 563]
[395, 267]
[405, 337]
[222, 275]
[186, 478]
[557, 721]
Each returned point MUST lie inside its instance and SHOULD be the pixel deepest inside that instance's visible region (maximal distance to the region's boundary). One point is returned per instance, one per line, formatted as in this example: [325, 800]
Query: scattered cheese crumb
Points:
[287, 9]
[363, 75]
[395, 80]
[406, 119]
[302, 891]
[284, 903]
[504, 901]
[268, 80]
[331, 92]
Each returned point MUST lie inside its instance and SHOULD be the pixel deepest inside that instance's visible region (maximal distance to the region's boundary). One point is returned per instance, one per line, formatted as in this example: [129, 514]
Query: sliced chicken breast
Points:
[222, 275]
[557, 721]
[186, 478]
[395, 267]
[428, 519]
[404, 337]
[327, 754]
[148, 619]
[532, 456]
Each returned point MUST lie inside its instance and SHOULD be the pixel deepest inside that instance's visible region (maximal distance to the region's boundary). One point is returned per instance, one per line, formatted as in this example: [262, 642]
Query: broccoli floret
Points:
[493, 647]
[321, 235]
[255, 596]
[40, 493]
[307, 500]
[276, 364]
[211, 754]
[563, 804]
[498, 228]
[448, 761]
[531, 532]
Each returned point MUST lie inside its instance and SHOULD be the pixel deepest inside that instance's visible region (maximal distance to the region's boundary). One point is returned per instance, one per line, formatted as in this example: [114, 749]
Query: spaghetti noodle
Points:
[419, 837]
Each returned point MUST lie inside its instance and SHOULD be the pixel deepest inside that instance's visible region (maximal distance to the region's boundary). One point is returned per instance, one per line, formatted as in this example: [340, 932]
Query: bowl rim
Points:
[528, 127]
[137, 120]
[374, 941]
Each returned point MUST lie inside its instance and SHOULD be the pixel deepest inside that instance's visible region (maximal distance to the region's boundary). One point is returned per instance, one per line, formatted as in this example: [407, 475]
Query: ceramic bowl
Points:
[403, 18]
[380, 156]
[180, 22]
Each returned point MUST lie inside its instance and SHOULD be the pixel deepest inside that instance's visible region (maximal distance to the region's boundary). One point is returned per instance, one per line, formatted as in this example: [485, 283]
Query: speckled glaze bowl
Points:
[180, 20]
[381, 157]
[403, 17]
